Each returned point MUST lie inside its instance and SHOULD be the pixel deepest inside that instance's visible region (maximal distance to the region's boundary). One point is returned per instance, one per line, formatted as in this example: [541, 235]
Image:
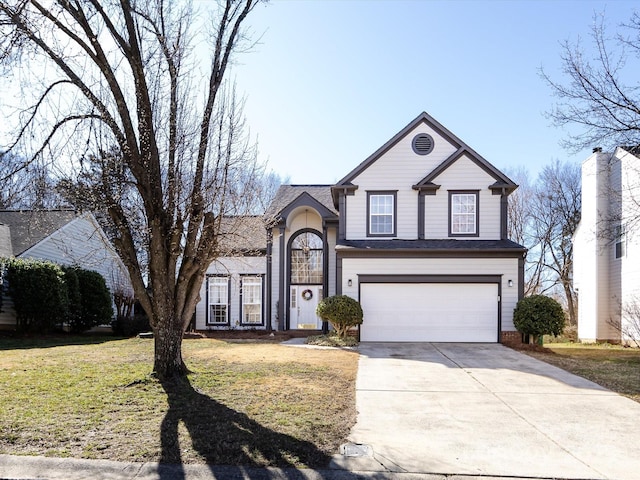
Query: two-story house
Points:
[605, 247]
[417, 233]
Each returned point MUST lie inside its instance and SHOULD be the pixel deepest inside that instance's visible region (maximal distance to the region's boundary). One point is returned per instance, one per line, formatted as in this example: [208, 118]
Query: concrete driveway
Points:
[484, 409]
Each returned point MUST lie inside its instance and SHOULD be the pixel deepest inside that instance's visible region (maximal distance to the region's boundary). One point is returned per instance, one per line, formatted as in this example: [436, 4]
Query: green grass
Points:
[612, 366]
[249, 403]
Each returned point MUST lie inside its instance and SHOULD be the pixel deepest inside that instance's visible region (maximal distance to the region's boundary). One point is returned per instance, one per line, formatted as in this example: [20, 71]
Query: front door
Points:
[303, 301]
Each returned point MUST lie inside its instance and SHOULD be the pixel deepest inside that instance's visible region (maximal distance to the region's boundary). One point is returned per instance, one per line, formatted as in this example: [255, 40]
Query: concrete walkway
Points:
[484, 409]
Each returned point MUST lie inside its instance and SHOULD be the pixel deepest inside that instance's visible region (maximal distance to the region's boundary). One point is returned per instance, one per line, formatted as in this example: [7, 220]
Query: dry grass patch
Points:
[249, 403]
[614, 367]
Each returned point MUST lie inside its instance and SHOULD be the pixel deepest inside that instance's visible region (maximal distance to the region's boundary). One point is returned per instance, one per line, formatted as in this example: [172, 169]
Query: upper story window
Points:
[307, 259]
[381, 214]
[463, 213]
[621, 241]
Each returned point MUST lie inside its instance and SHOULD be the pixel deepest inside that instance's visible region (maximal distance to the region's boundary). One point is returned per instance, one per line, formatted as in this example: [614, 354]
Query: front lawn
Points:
[244, 403]
[614, 367]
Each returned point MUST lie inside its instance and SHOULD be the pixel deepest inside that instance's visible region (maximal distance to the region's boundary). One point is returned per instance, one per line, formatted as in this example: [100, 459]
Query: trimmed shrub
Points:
[74, 309]
[538, 315]
[341, 311]
[96, 307]
[39, 294]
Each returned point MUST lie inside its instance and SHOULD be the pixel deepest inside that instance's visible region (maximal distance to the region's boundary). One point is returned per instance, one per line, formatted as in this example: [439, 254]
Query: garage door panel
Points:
[429, 312]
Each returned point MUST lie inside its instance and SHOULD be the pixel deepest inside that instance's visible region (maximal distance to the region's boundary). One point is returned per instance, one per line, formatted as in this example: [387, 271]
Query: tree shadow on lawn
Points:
[223, 436]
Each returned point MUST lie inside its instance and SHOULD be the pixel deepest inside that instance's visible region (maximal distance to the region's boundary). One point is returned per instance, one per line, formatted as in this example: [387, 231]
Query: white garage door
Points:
[429, 312]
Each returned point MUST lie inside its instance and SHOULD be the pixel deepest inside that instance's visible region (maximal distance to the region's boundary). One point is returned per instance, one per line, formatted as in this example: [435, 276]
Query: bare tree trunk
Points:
[167, 359]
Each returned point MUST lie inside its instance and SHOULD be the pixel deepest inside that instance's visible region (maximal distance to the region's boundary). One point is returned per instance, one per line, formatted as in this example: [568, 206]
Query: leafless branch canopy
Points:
[600, 95]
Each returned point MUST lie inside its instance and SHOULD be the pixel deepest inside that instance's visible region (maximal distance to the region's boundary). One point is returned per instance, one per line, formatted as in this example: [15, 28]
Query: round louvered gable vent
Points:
[422, 144]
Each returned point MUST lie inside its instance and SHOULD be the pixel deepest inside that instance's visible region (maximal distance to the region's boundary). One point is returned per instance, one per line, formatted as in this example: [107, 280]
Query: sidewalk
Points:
[45, 468]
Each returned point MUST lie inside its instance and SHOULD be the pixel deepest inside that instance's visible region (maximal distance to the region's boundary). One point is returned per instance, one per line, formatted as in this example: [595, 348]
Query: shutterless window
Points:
[307, 259]
[463, 213]
[621, 241]
[218, 300]
[252, 300]
[381, 211]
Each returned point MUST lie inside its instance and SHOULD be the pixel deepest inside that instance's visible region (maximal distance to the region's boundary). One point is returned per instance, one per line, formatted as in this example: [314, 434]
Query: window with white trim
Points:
[218, 299]
[251, 295]
[620, 241]
[381, 214]
[464, 213]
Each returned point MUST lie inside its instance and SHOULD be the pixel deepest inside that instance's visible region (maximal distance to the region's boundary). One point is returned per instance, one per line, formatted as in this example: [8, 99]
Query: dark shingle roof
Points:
[243, 235]
[447, 244]
[288, 193]
[29, 227]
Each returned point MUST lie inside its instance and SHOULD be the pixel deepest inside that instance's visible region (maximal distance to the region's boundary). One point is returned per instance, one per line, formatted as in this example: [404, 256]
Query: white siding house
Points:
[416, 232]
[63, 237]
[606, 253]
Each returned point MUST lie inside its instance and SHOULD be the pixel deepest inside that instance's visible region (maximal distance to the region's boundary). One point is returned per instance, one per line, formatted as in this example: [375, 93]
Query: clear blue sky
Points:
[331, 81]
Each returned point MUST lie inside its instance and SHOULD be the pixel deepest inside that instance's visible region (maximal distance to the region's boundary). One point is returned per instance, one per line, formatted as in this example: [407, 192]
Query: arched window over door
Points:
[306, 259]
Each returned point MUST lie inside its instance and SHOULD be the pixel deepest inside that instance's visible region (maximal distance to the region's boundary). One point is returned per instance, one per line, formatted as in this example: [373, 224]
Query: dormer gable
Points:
[502, 185]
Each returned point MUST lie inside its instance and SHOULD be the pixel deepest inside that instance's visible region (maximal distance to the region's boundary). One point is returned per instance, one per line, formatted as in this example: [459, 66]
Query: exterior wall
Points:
[234, 267]
[591, 266]
[629, 265]
[81, 242]
[464, 174]
[298, 220]
[506, 267]
[398, 169]
[607, 286]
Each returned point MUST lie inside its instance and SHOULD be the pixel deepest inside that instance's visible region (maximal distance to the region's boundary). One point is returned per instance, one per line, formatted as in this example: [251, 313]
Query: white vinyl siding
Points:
[463, 174]
[251, 295]
[507, 268]
[80, 242]
[398, 169]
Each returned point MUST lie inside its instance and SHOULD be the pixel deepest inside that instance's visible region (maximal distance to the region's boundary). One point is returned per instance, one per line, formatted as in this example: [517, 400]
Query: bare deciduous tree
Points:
[141, 82]
[543, 217]
[600, 94]
[27, 187]
[556, 214]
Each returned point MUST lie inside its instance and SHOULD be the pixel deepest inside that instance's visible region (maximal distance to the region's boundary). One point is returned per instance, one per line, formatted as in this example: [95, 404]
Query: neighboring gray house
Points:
[63, 237]
[606, 248]
[417, 233]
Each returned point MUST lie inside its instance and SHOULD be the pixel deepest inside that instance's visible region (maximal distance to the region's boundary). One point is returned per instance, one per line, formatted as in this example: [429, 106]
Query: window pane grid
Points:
[307, 259]
[251, 300]
[381, 214]
[218, 300]
[463, 213]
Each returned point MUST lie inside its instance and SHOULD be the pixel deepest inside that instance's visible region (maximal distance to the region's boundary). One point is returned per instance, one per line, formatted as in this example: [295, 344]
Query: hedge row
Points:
[47, 296]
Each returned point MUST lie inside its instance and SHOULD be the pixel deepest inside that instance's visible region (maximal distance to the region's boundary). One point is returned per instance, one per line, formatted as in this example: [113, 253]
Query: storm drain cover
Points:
[356, 450]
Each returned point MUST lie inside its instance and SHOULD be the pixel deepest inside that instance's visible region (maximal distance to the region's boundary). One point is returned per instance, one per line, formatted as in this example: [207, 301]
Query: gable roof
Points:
[29, 227]
[288, 195]
[243, 235]
[502, 181]
[462, 148]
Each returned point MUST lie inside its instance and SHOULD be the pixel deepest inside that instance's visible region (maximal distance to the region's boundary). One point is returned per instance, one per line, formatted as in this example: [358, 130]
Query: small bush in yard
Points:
[341, 311]
[538, 315]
